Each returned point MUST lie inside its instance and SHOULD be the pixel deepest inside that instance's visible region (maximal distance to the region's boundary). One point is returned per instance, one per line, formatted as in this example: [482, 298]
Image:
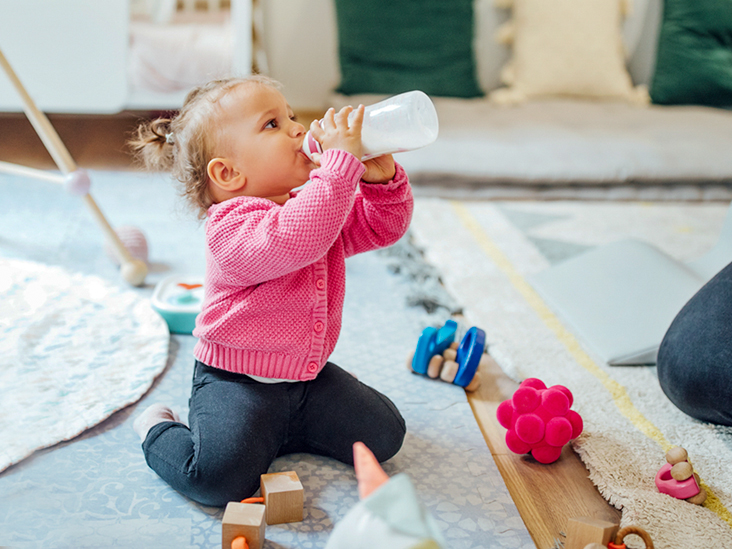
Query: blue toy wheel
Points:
[432, 342]
[468, 356]
[422, 355]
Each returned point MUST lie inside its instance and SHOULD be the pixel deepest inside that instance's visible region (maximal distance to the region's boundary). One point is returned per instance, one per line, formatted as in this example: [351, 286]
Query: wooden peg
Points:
[243, 520]
[701, 497]
[474, 383]
[449, 354]
[449, 371]
[676, 455]
[283, 497]
[682, 470]
[434, 366]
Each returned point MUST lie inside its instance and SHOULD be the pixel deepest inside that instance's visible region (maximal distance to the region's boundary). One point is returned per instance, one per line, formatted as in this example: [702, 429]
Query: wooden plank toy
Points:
[243, 520]
[581, 531]
[283, 497]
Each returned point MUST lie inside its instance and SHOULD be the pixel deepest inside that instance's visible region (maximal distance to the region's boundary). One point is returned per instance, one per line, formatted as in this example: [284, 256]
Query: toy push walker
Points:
[75, 180]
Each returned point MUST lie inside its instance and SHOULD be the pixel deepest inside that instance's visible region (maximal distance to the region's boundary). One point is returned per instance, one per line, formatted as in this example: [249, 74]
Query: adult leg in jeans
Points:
[695, 357]
[237, 427]
[337, 410]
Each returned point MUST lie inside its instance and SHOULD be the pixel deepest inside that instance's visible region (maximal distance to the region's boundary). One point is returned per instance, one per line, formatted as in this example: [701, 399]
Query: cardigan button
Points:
[320, 283]
[312, 367]
[319, 326]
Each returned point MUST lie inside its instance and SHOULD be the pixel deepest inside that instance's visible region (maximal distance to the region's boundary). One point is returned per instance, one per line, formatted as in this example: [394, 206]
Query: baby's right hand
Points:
[335, 132]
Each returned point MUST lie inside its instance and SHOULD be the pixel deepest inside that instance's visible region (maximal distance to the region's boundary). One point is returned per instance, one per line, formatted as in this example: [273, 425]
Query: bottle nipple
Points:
[310, 146]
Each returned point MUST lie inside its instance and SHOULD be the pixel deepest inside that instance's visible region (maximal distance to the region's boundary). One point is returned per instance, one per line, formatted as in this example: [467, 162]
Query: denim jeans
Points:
[695, 358]
[238, 426]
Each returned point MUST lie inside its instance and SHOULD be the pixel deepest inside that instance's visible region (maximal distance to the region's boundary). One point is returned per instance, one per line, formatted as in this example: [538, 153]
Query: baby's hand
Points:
[336, 133]
[380, 169]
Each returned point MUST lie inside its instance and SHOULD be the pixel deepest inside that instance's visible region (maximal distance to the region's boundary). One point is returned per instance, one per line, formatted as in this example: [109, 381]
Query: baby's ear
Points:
[224, 175]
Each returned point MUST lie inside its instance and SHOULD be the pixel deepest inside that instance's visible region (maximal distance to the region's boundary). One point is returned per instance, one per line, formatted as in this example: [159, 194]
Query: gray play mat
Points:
[97, 491]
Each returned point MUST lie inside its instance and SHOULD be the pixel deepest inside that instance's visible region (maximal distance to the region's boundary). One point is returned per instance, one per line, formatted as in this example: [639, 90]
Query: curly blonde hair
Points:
[183, 144]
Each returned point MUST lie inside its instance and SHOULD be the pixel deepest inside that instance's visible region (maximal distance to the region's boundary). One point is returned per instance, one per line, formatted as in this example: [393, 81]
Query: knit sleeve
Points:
[380, 215]
[252, 240]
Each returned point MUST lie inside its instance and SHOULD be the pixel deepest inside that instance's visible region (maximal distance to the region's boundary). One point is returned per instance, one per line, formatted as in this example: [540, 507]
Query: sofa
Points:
[548, 147]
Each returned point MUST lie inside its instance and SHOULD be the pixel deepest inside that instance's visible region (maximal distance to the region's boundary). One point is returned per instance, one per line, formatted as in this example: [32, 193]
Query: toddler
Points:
[274, 287]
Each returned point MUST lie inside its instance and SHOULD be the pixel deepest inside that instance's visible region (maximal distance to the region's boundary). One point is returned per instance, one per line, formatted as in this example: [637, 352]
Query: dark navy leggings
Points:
[238, 426]
[695, 358]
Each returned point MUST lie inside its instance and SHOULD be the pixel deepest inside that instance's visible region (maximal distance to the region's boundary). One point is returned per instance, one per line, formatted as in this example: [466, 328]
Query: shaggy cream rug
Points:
[74, 349]
[486, 253]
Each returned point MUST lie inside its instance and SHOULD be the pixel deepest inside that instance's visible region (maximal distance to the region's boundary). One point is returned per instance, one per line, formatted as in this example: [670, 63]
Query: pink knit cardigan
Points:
[275, 274]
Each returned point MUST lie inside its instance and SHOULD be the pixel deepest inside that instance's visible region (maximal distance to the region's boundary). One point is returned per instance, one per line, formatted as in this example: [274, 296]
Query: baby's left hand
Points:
[380, 169]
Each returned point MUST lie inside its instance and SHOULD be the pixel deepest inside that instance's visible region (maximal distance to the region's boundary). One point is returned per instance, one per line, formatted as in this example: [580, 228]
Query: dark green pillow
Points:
[393, 46]
[694, 63]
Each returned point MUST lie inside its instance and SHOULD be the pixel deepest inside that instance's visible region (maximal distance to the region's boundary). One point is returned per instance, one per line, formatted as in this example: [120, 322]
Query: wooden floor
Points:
[547, 496]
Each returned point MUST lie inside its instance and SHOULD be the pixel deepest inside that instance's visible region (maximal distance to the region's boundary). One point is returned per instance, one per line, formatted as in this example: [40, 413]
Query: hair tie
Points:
[169, 138]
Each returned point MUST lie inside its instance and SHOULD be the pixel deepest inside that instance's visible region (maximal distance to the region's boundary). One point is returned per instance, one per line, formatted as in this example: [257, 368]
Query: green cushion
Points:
[393, 46]
[694, 63]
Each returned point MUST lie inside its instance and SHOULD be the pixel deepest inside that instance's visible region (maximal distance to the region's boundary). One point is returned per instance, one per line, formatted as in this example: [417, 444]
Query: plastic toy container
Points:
[178, 300]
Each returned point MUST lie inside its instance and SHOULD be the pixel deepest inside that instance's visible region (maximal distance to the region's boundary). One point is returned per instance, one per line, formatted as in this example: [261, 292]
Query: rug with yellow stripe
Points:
[487, 252]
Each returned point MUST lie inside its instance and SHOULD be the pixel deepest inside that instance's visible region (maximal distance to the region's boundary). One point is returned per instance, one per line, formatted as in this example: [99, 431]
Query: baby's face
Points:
[258, 132]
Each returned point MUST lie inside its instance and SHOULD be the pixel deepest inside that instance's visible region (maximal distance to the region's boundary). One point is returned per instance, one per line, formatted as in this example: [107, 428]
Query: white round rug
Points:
[74, 349]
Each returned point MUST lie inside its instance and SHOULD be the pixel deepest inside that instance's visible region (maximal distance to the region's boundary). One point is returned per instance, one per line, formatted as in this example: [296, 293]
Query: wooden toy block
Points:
[243, 519]
[582, 531]
[283, 497]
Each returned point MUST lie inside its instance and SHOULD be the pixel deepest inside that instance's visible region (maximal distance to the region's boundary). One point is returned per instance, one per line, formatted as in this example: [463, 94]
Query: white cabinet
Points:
[73, 56]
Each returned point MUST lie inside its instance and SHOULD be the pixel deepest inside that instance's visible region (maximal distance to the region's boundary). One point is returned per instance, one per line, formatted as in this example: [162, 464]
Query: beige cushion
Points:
[566, 48]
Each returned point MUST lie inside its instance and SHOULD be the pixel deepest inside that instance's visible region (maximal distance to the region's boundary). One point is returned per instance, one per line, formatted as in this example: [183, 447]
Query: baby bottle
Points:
[400, 123]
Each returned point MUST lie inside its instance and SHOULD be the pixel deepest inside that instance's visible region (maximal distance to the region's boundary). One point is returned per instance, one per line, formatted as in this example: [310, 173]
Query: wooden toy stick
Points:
[40, 122]
[133, 270]
[15, 169]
